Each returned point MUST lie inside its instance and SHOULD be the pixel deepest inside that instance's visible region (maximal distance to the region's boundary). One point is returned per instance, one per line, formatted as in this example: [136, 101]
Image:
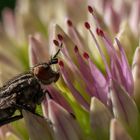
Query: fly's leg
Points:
[21, 107]
[11, 119]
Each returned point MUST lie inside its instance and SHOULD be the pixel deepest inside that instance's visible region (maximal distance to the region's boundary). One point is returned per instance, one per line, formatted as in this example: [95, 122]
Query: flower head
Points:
[97, 94]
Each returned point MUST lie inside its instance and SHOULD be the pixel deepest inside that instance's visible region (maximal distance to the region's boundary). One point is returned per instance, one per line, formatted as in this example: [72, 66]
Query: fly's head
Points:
[44, 72]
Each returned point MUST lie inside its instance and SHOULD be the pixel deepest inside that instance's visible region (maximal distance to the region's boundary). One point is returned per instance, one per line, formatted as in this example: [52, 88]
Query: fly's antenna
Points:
[54, 59]
[56, 54]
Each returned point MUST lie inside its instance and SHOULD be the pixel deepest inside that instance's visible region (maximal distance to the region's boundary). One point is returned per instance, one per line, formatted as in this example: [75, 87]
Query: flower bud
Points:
[136, 76]
[37, 126]
[100, 119]
[117, 132]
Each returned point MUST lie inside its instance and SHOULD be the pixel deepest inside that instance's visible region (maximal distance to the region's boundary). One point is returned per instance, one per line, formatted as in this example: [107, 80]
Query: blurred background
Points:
[6, 3]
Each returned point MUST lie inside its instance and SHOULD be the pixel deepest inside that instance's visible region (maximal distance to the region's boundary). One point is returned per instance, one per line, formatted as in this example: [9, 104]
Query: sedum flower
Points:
[88, 91]
[114, 12]
[121, 18]
[97, 95]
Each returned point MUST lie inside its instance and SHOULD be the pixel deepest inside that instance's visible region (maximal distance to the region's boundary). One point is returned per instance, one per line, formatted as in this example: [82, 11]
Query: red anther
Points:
[61, 64]
[56, 42]
[99, 32]
[90, 9]
[87, 25]
[76, 49]
[69, 22]
[60, 37]
[85, 55]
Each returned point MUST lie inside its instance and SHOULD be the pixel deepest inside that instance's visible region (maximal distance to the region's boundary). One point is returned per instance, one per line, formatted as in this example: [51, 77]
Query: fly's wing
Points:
[6, 102]
[12, 88]
[14, 83]
[19, 77]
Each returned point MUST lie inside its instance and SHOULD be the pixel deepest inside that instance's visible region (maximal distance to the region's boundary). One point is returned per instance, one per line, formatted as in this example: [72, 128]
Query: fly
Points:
[24, 91]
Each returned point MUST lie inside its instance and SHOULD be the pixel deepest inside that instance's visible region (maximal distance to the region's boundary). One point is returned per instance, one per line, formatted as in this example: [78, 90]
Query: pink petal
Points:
[73, 90]
[99, 81]
[64, 125]
[56, 95]
[126, 69]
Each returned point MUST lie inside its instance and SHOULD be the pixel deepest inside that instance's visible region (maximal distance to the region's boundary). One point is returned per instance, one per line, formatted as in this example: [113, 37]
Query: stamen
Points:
[99, 32]
[56, 42]
[61, 64]
[75, 34]
[92, 12]
[76, 49]
[85, 55]
[59, 45]
[87, 25]
[90, 9]
[60, 37]
[69, 22]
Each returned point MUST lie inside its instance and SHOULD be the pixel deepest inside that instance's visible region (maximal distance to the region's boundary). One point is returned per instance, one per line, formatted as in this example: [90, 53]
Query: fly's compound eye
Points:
[40, 71]
[45, 74]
